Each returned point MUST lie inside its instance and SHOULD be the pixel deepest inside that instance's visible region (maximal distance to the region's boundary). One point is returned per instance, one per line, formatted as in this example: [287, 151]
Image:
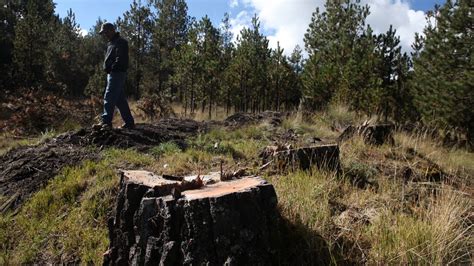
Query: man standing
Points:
[115, 65]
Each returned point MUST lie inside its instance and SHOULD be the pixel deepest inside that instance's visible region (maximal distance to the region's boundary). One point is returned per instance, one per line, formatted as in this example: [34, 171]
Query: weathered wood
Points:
[320, 156]
[372, 134]
[223, 223]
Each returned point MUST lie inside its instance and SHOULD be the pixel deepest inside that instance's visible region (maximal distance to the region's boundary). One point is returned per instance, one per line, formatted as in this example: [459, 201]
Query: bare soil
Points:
[25, 170]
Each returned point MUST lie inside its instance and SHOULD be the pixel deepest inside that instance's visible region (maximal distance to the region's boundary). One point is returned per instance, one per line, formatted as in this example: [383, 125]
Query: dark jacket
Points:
[116, 58]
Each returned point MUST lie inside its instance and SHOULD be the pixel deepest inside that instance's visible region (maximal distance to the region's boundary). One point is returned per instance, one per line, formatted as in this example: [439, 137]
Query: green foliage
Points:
[193, 63]
[444, 77]
[7, 31]
[360, 174]
[243, 143]
[198, 67]
[136, 27]
[31, 39]
[248, 72]
[341, 60]
[94, 47]
[214, 145]
[97, 82]
[65, 66]
[169, 33]
[393, 69]
[284, 80]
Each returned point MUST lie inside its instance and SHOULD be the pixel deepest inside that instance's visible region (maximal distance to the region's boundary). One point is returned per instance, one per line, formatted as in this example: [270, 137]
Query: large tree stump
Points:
[287, 158]
[167, 222]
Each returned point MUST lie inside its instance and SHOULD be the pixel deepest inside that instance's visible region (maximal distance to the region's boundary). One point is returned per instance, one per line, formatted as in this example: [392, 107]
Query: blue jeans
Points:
[115, 96]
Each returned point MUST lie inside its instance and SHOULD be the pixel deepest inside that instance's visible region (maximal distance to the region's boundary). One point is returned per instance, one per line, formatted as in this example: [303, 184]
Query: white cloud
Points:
[83, 32]
[405, 20]
[233, 3]
[243, 19]
[288, 20]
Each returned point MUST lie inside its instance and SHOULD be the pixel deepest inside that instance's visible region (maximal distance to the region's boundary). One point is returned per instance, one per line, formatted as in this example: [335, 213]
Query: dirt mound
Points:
[241, 119]
[143, 137]
[25, 170]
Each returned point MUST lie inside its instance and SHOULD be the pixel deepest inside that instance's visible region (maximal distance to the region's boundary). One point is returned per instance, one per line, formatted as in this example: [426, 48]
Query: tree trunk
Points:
[210, 104]
[160, 221]
[192, 95]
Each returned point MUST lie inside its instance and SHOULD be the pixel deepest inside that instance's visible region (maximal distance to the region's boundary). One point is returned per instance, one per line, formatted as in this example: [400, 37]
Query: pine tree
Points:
[393, 70]
[209, 43]
[296, 60]
[169, 34]
[32, 37]
[443, 81]
[227, 48]
[64, 65]
[283, 80]
[136, 27]
[251, 68]
[365, 85]
[335, 42]
[188, 70]
[7, 34]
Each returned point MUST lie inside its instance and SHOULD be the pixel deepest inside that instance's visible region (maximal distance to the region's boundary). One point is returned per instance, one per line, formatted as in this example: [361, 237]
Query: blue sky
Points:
[87, 11]
[284, 21]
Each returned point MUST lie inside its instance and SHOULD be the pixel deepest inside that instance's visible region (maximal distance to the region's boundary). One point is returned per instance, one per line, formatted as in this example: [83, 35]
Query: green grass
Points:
[438, 234]
[384, 229]
[392, 222]
[66, 221]
[164, 149]
[305, 197]
[457, 161]
[244, 143]
[9, 142]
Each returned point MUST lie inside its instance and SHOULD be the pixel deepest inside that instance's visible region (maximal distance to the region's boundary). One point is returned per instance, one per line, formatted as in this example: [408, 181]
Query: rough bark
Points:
[164, 222]
[372, 134]
[288, 158]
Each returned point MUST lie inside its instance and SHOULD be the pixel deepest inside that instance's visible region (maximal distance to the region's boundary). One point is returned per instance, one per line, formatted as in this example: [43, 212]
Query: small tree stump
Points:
[161, 221]
[321, 157]
[372, 134]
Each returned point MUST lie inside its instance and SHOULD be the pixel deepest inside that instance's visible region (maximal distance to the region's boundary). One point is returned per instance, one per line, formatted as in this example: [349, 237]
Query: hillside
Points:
[410, 202]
